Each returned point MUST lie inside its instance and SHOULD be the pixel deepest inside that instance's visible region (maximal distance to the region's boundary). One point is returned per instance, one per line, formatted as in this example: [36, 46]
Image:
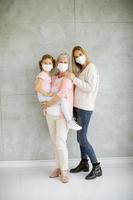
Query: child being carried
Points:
[45, 92]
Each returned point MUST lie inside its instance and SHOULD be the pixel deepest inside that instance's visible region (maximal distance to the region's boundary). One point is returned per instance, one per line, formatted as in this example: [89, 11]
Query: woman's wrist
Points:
[73, 77]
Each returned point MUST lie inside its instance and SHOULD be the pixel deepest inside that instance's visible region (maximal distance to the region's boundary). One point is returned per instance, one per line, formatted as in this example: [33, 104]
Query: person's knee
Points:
[60, 145]
[82, 140]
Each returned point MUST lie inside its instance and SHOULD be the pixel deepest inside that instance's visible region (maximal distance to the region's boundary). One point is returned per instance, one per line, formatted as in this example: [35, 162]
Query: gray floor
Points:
[32, 183]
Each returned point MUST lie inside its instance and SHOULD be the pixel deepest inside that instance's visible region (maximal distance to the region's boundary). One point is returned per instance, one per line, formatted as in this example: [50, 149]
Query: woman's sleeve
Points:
[90, 82]
[66, 86]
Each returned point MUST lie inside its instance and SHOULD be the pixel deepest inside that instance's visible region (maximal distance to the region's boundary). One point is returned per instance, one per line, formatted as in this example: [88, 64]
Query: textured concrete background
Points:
[30, 28]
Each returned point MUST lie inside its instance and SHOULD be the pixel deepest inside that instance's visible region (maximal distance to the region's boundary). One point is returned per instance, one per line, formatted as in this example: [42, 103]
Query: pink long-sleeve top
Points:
[63, 87]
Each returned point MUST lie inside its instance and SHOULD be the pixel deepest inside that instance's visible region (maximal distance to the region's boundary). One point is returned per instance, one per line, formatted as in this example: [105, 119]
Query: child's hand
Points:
[50, 94]
[44, 104]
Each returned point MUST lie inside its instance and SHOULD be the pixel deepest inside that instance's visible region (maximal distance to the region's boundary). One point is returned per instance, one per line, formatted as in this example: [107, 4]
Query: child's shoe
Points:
[73, 125]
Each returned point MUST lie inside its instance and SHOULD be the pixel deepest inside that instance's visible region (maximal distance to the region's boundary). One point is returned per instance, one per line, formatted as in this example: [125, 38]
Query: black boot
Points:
[82, 166]
[95, 172]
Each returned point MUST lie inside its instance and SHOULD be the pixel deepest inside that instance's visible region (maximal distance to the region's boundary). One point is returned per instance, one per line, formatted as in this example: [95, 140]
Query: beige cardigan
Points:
[86, 88]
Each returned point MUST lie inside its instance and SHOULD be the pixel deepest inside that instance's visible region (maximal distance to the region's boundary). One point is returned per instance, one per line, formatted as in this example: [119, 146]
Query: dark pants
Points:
[83, 118]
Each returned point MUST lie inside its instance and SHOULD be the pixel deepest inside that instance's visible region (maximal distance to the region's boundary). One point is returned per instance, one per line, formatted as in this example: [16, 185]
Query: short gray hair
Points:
[55, 71]
[63, 55]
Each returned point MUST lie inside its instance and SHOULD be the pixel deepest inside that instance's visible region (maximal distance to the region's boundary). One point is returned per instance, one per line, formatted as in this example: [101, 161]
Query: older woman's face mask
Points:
[63, 64]
[62, 67]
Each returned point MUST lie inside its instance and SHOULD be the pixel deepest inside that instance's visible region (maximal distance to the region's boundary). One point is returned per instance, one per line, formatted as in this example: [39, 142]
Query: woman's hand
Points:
[45, 104]
[70, 75]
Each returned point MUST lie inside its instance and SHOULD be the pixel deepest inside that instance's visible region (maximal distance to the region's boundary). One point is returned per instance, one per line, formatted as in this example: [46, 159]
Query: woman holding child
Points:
[58, 104]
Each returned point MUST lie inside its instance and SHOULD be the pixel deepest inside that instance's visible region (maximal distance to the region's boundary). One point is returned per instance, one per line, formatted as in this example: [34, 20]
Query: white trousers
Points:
[58, 132]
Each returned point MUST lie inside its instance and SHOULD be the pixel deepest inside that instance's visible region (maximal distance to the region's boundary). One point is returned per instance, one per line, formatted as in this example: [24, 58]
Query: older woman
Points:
[86, 80]
[57, 124]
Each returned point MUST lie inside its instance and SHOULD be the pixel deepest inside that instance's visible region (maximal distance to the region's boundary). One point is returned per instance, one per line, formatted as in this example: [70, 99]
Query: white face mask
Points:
[47, 67]
[62, 67]
[81, 59]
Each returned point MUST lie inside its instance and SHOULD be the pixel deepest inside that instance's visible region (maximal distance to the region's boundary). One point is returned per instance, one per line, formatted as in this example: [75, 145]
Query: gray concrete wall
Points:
[30, 28]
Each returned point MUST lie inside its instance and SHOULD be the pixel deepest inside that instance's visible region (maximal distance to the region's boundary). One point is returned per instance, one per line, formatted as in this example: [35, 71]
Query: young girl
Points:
[43, 87]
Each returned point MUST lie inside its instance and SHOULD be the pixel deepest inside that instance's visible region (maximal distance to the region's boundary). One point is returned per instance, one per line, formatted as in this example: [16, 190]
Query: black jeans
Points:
[83, 118]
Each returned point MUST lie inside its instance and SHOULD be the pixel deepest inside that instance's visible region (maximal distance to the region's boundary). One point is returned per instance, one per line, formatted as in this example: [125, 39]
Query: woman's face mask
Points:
[81, 59]
[47, 67]
[62, 67]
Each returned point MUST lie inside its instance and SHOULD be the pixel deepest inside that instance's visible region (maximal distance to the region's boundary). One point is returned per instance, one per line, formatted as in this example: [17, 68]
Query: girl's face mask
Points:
[47, 67]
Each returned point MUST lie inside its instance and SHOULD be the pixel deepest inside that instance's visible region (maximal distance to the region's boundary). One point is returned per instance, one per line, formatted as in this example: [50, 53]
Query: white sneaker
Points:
[73, 125]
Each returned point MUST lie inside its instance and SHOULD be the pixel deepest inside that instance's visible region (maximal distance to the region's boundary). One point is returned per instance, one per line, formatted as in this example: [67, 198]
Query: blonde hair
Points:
[76, 67]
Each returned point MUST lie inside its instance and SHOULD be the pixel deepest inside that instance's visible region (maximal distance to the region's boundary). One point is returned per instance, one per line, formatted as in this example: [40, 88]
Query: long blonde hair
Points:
[76, 68]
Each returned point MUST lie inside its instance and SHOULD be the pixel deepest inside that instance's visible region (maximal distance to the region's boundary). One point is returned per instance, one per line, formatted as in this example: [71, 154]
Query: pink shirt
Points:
[64, 88]
[46, 83]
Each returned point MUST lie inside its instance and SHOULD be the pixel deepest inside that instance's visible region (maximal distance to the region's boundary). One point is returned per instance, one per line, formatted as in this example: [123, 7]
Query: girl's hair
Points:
[63, 55]
[45, 57]
[76, 67]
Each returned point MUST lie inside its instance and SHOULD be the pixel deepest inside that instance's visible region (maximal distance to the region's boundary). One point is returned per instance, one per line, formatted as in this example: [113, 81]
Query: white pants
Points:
[58, 132]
